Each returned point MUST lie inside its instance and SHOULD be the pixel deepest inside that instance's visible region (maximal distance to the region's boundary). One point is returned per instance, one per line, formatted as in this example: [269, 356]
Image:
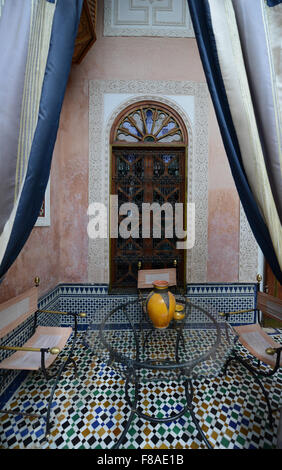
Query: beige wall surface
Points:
[59, 253]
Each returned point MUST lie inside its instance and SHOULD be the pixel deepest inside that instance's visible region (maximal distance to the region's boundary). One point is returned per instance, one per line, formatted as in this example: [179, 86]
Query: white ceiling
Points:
[163, 18]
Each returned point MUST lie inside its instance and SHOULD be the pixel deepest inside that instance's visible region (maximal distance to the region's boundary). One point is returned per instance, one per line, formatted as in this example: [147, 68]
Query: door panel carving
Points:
[148, 166]
[146, 176]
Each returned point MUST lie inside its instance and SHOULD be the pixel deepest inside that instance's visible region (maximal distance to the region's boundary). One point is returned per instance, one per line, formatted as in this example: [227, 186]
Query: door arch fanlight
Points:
[149, 123]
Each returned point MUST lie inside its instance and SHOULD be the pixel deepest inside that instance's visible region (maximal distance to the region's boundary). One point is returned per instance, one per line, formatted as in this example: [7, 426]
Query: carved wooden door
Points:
[271, 285]
[147, 175]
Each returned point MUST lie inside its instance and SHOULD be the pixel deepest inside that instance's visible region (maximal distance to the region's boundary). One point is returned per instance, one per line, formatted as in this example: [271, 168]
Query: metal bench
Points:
[41, 350]
[259, 344]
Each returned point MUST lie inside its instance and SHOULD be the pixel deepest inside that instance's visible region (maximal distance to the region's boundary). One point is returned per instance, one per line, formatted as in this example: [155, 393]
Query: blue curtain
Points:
[273, 3]
[200, 11]
[46, 31]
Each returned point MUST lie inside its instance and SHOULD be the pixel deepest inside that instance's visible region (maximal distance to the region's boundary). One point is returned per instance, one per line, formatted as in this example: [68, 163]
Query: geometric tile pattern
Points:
[95, 300]
[225, 298]
[160, 345]
[89, 412]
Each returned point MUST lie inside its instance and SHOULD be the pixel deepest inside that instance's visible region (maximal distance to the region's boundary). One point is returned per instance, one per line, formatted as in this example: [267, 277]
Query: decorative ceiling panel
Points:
[86, 35]
[162, 18]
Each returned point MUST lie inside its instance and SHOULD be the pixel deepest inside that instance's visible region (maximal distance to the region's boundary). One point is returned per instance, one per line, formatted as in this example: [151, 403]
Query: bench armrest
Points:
[57, 312]
[20, 348]
[43, 351]
[226, 314]
[277, 351]
[272, 351]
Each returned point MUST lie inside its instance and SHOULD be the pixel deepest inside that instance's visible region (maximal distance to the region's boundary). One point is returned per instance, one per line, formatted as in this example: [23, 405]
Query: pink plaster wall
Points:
[40, 255]
[73, 243]
[224, 212]
[59, 253]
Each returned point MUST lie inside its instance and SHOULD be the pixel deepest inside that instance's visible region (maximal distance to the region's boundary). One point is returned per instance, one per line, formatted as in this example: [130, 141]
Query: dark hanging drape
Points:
[37, 41]
[227, 54]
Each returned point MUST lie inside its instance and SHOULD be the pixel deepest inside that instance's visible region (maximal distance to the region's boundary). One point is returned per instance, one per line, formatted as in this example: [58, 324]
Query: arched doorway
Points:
[148, 165]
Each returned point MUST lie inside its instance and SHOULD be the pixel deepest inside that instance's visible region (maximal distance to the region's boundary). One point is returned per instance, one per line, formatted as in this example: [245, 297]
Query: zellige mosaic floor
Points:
[89, 412]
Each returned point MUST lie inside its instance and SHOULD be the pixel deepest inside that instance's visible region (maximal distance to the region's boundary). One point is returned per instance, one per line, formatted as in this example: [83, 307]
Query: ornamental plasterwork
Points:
[99, 158]
[163, 18]
[248, 254]
[99, 161]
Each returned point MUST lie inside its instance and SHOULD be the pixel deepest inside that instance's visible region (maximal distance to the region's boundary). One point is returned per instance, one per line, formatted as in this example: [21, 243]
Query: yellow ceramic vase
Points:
[179, 313]
[160, 305]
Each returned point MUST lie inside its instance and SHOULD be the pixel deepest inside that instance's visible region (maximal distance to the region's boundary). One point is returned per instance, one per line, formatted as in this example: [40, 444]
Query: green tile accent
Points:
[240, 440]
[225, 442]
[103, 396]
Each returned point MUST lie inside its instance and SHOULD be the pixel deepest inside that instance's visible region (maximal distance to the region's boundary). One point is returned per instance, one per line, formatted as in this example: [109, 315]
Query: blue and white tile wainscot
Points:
[96, 301]
[228, 297]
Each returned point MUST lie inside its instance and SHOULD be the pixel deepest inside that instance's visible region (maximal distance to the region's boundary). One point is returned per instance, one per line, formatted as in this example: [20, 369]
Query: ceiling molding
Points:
[157, 18]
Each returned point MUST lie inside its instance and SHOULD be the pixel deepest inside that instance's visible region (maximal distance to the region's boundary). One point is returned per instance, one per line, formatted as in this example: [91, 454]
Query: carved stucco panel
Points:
[99, 158]
[249, 251]
[163, 18]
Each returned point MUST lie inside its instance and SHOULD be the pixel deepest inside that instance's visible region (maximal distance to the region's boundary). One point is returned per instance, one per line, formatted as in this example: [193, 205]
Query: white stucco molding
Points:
[163, 18]
[249, 251]
[100, 123]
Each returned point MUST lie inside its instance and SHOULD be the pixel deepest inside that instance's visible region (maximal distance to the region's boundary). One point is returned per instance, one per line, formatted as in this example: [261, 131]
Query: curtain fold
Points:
[39, 37]
[238, 45]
